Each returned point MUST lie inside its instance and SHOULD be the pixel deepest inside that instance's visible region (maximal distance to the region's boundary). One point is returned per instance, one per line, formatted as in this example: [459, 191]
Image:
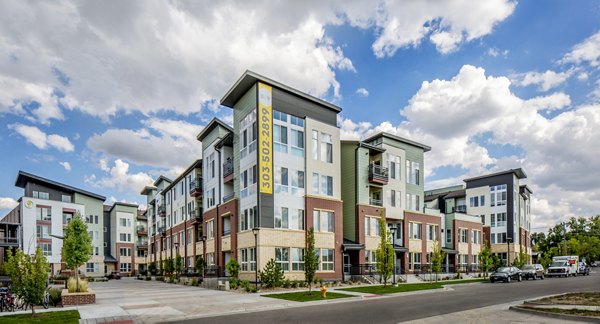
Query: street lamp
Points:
[176, 255]
[255, 232]
[393, 231]
[508, 241]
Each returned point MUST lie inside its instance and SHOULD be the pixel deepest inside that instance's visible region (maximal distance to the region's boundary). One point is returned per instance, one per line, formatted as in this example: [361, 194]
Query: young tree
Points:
[311, 259]
[178, 264]
[385, 254]
[200, 265]
[271, 276]
[520, 260]
[486, 261]
[169, 266]
[437, 256]
[77, 245]
[28, 276]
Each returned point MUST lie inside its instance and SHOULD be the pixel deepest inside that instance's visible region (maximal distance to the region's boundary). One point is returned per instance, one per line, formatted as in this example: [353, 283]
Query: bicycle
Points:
[47, 300]
[7, 300]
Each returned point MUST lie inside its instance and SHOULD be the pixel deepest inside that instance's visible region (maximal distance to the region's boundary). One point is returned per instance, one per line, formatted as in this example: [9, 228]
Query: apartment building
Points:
[382, 178]
[45, 209]
[504, 205]
[174, 216]
[462, 233]
[141, 242]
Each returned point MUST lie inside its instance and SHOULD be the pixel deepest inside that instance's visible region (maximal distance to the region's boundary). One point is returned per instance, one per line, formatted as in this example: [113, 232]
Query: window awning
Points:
[110, 259]
[399, 248]
[449, 251]
[352, 246]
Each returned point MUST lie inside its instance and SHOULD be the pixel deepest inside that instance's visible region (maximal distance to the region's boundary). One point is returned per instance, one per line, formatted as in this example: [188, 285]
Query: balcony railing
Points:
[459, 209]
[161, 230]
[142, 230]
[142, 245]
[378, 174]
[162, 210]
[228, 196]
[227, 168]
[196, 214]
[9, 240]
[375, 202]
[196, 187]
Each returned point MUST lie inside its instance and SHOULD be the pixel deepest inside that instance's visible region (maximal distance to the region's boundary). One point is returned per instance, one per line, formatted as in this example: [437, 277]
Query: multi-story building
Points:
[382, 179]
[155, 213]
[123, 235]
[45, 210]
[504, 206]
[141, 242]
[461, 232]
[277, 175]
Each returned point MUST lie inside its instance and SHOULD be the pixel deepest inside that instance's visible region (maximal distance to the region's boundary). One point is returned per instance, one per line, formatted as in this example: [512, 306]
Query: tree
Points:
[200, 265]
[385, 254]
[437, 256]
[233, 268]
[311, 259]
[272, 275]
[169, 266]
[486, 260]
[77, 245]
[520, 260]
[161, 267]
[178, 264]
[28, 276]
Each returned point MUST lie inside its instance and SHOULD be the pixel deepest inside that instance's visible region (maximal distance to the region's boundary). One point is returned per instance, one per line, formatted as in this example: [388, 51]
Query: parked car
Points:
[114, 275]
[595, 263]
[506, 274]
[583, 269]
[533, 271]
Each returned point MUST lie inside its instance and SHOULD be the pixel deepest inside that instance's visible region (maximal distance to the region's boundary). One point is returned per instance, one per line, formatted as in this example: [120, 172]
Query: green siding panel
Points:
[362, 168]
[241, 108]
[414, 154]
[348, 182]
[93, 206]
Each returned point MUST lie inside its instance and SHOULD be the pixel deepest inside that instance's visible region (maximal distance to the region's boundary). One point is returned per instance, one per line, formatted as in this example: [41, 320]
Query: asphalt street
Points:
[411, 307]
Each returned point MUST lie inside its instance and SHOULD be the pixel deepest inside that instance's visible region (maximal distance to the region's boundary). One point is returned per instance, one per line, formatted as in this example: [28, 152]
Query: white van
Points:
[563, 266]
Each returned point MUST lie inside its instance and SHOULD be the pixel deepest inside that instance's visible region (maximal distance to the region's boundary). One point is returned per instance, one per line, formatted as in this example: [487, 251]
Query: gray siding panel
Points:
[288, 103]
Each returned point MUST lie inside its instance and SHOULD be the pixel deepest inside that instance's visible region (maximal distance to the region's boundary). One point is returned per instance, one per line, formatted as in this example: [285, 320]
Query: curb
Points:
[586, 319]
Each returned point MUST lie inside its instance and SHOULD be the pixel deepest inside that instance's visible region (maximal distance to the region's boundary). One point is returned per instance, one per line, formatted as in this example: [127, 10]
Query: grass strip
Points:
[71, 316]
[572, 311]
[304, 296]
[381, 290]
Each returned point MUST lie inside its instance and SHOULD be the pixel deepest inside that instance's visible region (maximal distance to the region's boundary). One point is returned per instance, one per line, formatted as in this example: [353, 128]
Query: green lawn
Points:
[381, 290]
[71, 316]
[304, 296]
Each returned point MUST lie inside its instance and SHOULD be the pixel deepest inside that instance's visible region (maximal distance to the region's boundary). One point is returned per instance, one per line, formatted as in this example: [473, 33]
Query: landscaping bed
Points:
[579, 298]
[71, 316]
[304, 296]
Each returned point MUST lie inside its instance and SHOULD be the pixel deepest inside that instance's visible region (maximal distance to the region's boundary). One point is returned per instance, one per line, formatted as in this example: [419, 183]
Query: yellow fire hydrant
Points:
[323, 292]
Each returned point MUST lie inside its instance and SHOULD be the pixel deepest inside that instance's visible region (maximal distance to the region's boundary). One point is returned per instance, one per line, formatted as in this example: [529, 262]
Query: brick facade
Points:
[336, 206]
[423, 219]
[70, 299]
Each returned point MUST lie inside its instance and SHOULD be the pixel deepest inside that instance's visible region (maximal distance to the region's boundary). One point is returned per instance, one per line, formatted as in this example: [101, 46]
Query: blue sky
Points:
[107, 96]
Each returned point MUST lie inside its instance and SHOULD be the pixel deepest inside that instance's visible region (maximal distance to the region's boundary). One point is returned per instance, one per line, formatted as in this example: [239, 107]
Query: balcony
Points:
[196, 187]
[228, 171]
[378, 174]
[196, 215]
[142, 245]
[375, 202]
[161, 230]
[460, 209]
[142, 230]
[228, 196]
[9, 241]
[162, 210]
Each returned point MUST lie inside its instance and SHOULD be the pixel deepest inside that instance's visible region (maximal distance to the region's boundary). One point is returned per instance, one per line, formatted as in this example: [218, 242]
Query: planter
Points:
[69, 299]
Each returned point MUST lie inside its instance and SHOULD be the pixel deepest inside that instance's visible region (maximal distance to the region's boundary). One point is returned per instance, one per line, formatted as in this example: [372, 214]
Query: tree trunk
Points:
[77, 277]
[32, 310]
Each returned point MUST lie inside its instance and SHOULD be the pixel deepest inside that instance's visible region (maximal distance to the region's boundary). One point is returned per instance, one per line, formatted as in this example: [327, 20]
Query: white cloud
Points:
[559, 154]
[66, 165]
[160, 55]
[118, 177]
[586, 51]
[162, 143]
[362, 92]
[7, 203]
[545, 81]
[495, 52]
[42, 140]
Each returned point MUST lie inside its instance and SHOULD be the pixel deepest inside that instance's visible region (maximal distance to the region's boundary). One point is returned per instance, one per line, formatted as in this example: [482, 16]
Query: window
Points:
[414, 261]
[415, 230]
[481, 200]
[125, 222]
[65, 198]
[370, 257]
[326, 148]
[393, 166]
[281, 217]
[41, 195]
[248, 134]
[413, 202]
[125, 252]
[296, 121]
[281, 116]
[297, 182]
[315, 145]
[280, 140]
[323, 221]
[289, 219]
[282, 258]
[281, 180]
[189, 237]
[498, 195]
[475, 237]
[463, 235]
[248, 259]
[395, 198]
[433, 232]
[297, 255]
[493, 238]
[247, 179]
[125, 267]
[123, 237]
[210, 229]
[372, 227]
[47, 249]
[482, 219]
[326, 185]
[43, 213]
[43, 231]
[89, 267]
[474, 201]
[448, 235]
[247, 219]
[96, 250]
[413, 172]
[297, 143]
[326, 263]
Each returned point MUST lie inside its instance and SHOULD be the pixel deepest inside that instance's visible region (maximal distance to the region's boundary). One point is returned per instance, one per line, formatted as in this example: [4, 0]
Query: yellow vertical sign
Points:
[265, 138]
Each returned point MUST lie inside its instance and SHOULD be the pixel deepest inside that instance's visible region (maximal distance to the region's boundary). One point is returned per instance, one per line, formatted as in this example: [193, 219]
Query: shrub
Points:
[195, 282]
[233, 268]
[245, 284]
[55, 295]
[148, 278]
[72, 285]
[173, 278]
[91, 279]
[160, 278]
[287, 283]
[61, 277]
[271, 276]
[295, 284]
[233, 283]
